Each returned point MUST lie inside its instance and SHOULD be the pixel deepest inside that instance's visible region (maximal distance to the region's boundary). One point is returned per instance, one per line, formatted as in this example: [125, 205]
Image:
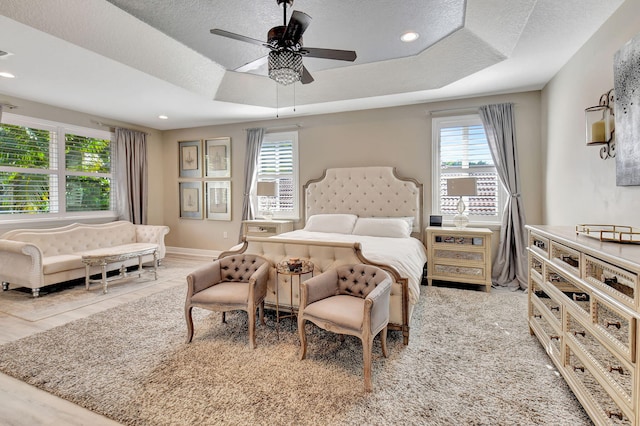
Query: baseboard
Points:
[191, 253]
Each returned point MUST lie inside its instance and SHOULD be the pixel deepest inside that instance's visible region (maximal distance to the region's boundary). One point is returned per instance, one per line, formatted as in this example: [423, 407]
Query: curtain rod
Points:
[462, 109]
[113, 126]
[286, 126]
[458, 110]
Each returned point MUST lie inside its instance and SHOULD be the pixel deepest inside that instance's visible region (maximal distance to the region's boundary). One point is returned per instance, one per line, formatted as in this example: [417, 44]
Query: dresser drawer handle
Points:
[554, 337]
[576, 368]
[581, 333]
[615, 324]
[537, 316]
[611, 414]
[555, 308]
[580, 297]
[618, 369]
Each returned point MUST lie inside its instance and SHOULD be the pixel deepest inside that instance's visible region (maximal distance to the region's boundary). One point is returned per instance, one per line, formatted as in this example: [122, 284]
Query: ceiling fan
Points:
[285, 42]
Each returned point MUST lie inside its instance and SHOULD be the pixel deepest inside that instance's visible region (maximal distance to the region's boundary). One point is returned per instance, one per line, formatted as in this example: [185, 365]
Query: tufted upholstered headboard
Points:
[366, 192]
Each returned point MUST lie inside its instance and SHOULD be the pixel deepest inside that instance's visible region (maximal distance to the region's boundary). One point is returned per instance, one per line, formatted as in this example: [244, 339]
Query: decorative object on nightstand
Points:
[459, 255]
[268, 190]
[461, 187]
[601, 125]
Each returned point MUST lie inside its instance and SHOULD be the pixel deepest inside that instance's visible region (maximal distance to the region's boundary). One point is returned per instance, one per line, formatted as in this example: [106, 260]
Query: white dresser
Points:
[584, 308]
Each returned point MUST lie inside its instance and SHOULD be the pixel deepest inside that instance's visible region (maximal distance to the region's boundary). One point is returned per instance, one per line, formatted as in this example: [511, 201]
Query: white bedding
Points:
[406, 255]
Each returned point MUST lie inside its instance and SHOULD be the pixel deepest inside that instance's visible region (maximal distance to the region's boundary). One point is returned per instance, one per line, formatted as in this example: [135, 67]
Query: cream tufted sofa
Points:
[35, 258]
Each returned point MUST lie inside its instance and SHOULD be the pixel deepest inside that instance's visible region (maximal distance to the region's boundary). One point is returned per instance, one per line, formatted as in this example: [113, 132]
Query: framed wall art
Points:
[627, 113]
[217, 157]
[218, 200]
[190, 200]
[189, 158]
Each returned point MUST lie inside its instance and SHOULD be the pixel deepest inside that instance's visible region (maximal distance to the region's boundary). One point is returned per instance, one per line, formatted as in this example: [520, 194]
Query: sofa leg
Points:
[5, 286]
[35, 292]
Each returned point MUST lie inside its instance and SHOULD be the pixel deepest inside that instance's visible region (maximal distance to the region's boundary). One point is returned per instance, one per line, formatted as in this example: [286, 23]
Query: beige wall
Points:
[579, 187]
[399, 137]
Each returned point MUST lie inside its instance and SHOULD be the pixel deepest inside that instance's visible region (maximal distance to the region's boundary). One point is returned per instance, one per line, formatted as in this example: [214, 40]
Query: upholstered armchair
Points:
[231, 283]
[350, 299]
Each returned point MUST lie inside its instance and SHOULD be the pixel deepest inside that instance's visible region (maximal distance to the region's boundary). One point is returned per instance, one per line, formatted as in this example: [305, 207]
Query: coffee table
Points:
[106, 256]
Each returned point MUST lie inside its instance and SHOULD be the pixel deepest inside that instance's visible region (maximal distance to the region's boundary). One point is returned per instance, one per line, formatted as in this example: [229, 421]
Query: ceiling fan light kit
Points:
[286, 50]
[285, 67]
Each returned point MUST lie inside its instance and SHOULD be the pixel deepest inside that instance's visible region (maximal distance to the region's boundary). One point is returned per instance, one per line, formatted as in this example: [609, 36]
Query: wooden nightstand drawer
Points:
[459, 271]
[265, 228]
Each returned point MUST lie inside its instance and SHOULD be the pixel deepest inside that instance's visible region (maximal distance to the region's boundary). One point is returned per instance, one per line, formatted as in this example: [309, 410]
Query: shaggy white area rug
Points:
[470, 360]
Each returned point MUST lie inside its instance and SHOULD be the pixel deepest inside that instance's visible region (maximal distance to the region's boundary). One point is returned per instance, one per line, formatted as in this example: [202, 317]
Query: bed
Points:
[354, 215]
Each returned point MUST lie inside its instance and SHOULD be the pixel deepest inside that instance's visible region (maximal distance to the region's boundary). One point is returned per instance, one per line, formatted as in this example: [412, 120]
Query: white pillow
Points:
[334, 223]
[382, 227]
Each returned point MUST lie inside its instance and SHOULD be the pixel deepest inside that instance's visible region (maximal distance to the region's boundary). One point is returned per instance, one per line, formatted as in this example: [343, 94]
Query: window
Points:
[278, 162]
[460, 149]
[53, 169]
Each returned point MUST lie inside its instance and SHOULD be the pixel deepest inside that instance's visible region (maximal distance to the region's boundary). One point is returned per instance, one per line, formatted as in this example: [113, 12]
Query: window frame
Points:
[437, 123]
[275, 137]
[57, 169]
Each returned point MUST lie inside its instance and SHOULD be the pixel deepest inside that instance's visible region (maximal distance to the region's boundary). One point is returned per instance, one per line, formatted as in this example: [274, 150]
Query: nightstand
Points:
[265, 228]
[460, 255]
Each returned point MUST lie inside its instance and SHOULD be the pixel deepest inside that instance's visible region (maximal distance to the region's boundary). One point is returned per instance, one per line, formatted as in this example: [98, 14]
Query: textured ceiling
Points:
[132, 60]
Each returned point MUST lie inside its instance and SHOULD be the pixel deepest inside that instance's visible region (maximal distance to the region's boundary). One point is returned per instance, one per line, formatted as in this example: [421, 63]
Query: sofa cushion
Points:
[62, 262]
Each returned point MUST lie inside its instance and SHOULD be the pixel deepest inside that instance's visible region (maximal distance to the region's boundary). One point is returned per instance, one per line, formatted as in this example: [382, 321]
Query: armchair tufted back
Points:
[359, 280]
[239, 267]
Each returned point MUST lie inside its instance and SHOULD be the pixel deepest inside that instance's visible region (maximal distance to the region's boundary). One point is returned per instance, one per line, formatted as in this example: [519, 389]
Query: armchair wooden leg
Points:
[261, 313]
[224, 317]
[383, 340]
[367, 347]
[187, 315]
[303, 338]
[252, 328]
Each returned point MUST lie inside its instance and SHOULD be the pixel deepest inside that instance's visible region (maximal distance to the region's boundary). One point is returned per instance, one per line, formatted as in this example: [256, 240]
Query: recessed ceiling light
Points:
[163, 117]
[409, 36]
[7, 75]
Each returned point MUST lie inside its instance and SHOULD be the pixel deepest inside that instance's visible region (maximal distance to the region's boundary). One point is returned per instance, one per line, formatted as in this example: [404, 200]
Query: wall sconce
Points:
[601, 125]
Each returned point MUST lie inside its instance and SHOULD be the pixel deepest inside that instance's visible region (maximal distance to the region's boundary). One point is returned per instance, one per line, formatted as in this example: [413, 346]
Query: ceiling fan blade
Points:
[340, 55]
[306, 77]
[298, 23]
[253, 65]
[235, 36]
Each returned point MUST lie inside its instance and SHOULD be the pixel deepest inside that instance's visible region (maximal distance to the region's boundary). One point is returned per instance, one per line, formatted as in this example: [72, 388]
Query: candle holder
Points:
[600, 125]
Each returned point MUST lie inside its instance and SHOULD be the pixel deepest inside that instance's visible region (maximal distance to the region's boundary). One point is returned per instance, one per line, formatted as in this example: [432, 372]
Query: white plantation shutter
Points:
[278, 161]
[461, 150]
[52, 168]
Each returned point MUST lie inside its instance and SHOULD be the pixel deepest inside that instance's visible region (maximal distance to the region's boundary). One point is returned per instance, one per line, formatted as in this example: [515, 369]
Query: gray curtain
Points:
[254, 143]
[510, 265]
[130, 160]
